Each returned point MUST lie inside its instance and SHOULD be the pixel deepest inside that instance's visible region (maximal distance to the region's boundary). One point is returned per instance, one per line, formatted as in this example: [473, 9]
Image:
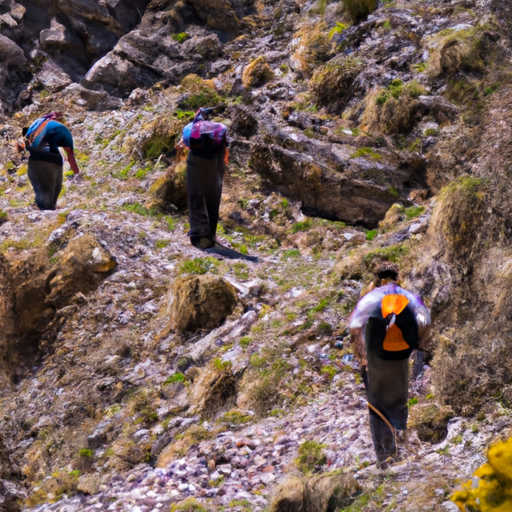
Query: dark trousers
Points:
[386, 383]
[45, 175]
[204, 190]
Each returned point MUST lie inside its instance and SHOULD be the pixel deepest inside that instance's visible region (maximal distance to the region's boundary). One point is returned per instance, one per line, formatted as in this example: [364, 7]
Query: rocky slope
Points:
[353, 144]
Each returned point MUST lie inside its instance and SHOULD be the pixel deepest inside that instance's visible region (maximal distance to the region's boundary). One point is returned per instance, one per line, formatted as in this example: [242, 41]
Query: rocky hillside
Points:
[140, 374]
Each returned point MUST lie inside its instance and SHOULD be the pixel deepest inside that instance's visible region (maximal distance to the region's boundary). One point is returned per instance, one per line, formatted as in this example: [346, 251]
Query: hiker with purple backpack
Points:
[206, 164]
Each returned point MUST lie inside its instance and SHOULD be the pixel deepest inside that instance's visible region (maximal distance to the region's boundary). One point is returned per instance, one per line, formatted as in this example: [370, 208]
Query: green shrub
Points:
[176, 377]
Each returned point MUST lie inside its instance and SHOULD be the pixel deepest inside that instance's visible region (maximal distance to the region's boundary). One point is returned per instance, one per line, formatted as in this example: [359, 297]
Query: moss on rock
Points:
[257, 73]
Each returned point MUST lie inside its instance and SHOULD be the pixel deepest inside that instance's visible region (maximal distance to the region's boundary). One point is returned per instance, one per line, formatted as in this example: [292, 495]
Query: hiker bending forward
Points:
[43, 139]
[386, 326]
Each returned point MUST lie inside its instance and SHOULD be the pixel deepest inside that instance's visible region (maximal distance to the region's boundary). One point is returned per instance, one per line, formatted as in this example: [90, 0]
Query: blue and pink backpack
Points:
[204, 135]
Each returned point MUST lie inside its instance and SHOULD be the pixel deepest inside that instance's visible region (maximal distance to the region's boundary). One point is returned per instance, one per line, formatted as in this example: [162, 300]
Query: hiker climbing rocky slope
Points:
[356, 140]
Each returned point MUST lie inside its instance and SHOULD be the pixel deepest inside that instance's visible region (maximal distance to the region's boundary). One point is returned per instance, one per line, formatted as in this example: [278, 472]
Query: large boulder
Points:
[200, 302]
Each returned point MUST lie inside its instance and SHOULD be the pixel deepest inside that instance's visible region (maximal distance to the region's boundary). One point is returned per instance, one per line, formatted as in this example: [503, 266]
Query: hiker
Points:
[206, 163]
[42, 140]
[388, 323]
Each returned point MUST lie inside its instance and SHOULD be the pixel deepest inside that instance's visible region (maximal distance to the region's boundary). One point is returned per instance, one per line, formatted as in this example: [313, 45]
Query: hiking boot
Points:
[202, 242]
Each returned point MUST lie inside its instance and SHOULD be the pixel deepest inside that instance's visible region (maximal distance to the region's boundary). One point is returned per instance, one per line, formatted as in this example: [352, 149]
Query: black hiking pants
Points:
[387, 384]
[45, 175]
[204, 190]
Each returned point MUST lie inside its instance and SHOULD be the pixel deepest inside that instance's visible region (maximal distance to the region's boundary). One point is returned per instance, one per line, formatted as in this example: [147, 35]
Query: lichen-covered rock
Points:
[200, 302]
[257, 73]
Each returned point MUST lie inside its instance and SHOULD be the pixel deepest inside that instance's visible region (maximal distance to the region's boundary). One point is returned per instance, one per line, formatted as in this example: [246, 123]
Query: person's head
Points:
[386, 274]
[24, 130]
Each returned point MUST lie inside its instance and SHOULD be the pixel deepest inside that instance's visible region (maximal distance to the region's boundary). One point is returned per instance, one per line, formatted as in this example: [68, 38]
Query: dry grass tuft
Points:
[393, 110]
[323, 493]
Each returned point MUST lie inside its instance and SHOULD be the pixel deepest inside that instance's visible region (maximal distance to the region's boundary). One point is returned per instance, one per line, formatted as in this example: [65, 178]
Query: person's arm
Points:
[72, 161]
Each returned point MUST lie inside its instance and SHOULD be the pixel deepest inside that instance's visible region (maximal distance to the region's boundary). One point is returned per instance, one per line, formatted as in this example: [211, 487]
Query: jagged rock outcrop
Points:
[333, 181]
[172, 41]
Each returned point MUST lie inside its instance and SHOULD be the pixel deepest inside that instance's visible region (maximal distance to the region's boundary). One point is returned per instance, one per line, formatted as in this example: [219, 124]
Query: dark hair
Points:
[388, 273]
[24, 130]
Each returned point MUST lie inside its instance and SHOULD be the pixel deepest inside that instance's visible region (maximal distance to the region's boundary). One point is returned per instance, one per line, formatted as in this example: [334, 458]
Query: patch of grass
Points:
[245, 341]
[328, 370]
[413, 211]
[187, 115]
[181, 37]
[420, 68]
[140, 210]
[257, 361]
[221, 365]
[392, 253]
[311, 456]
[291, 253]
[160, 244]
[491, 89]
[370, 235]
[301, 226]
[142, 173]
[199, 266]
[431, 132]
[235, 418]
[171, 222]
[412, 401]
[321, 305]
[366, 152]
[176, 377]
[123, 173]
[85, 452]
[394, 192]
[188, 505]
[241, 270]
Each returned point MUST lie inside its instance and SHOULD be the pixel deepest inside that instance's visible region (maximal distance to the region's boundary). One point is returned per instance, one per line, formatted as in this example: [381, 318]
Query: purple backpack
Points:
[201, 134]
